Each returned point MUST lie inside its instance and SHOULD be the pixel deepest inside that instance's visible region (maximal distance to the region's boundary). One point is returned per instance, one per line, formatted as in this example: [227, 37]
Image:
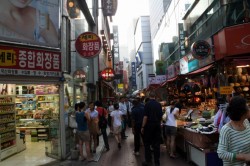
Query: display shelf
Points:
[7, 130]
[7, 125]
[9, 112]
[3, 121]
[7, 139]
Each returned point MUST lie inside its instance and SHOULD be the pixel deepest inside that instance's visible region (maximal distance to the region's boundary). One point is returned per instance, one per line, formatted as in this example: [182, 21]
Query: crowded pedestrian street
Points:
[124, 82]
[122, 157]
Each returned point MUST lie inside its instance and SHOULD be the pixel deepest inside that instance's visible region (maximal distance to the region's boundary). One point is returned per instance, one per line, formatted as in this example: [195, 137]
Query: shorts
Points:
[170, 130]
[117, 130]
[84, 136]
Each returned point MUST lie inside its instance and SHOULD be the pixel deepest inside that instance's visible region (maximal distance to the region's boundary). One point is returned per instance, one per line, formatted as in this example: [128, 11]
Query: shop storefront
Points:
[31, 101]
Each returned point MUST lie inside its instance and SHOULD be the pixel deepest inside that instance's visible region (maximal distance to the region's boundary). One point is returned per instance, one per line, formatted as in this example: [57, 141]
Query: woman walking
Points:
[110, 109]
[171, 128]
[93, 125]
[82, 130]
[117, 123]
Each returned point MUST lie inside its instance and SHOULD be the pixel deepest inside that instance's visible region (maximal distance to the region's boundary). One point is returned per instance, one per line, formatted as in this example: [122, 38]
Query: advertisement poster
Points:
[34, 22]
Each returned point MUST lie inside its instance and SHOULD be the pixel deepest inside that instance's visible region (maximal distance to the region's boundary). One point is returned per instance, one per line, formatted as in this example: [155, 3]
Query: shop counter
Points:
[199, 148]
[37, 132]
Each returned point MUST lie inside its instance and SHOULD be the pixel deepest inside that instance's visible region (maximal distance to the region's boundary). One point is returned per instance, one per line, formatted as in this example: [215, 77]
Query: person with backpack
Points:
[172, 113]
[103, 123]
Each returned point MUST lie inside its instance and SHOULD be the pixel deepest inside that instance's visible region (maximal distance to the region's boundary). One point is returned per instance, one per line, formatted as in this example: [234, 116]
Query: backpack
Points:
[103, 122]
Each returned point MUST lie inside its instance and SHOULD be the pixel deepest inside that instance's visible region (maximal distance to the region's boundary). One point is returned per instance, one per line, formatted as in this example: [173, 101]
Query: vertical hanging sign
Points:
[109, 7]
[133, 69]
[116, 45]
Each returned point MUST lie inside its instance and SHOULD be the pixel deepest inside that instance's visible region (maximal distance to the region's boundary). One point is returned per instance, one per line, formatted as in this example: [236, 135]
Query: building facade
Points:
[143, 57]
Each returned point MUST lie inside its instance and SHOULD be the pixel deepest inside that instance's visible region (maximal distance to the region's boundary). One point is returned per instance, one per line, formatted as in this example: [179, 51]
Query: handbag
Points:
[72, 122]
[165, 116]
[103, 122]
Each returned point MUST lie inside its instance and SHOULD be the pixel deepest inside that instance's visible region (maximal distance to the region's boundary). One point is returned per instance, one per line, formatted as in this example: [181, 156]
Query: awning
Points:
[153, 87]
[200, 70]
[171, 79]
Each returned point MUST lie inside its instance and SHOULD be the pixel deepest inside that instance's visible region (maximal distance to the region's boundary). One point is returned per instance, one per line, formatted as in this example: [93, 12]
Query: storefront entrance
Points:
[29, 122]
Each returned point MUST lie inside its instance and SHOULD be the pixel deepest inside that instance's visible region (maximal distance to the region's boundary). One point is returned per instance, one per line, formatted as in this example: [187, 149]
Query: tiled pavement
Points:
[123, 157]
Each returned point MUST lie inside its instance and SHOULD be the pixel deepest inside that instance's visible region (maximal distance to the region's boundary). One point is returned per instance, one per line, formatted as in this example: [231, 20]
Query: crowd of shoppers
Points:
[146, 123]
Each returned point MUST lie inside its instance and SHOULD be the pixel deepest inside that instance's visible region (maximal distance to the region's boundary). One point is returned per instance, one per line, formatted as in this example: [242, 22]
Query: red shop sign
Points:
[79, 75]
[32, 62]
[108, 74]
[88, 45]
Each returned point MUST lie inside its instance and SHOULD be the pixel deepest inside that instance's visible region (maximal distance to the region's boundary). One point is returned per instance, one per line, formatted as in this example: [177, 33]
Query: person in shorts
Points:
[117, 123]
[171, 128]
[83, 133]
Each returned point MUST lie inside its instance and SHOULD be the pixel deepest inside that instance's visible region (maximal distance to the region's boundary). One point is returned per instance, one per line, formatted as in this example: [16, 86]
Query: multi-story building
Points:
[144, 61]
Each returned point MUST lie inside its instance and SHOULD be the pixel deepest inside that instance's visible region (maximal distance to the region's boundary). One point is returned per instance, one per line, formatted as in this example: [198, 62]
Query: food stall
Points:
[197, 137]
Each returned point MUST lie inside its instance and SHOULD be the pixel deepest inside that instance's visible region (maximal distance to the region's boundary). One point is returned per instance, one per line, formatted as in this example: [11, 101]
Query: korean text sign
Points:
[88, 45]
[23, 61]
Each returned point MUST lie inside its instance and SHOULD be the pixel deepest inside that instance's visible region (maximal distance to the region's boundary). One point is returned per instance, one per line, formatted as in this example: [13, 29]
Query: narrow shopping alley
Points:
[123, 157]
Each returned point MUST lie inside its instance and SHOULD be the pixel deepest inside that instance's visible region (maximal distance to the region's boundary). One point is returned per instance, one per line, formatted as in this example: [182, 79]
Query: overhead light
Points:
[71, 4]
[242, 66]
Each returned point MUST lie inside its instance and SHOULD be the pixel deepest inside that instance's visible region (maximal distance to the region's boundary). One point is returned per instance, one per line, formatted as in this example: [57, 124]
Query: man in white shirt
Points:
[129, 110]
[123, 109]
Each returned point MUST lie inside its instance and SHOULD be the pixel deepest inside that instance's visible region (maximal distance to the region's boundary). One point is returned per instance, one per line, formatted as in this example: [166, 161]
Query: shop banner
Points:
[29, 62]
[37, 22]
[193, 65]
[234, 40]
[171, 71]
[158, 79]
[184, 65]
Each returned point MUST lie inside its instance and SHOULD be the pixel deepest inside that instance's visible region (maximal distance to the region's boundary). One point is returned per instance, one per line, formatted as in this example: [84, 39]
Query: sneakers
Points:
[136, 153]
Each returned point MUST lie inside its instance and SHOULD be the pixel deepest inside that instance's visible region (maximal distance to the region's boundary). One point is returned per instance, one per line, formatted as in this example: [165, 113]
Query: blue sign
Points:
[133, 69]
[193, 65]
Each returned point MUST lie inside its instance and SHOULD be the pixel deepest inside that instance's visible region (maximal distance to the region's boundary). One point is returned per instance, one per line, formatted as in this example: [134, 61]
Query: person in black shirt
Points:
[151, 129]
[137, 118]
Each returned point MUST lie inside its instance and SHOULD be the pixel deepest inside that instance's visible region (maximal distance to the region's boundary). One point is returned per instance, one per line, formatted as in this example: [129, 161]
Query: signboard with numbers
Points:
[30, 62]
[88, 44]
[225, 90]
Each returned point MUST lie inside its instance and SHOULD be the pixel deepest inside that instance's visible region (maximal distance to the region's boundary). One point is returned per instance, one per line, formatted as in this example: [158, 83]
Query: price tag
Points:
[224, 90]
